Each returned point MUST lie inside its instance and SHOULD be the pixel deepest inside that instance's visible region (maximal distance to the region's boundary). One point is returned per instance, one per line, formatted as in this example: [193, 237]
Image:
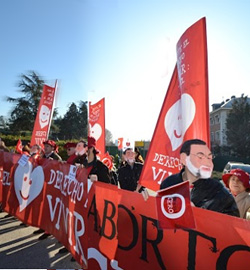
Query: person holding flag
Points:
[206, 192]
[129, 173]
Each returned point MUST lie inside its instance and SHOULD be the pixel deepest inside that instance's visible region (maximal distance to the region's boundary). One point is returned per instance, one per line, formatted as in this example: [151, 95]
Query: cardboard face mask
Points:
[80, 149]
[44, 116]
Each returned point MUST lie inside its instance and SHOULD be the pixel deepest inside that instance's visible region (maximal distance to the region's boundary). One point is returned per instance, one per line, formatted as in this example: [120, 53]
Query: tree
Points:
[3, 123]
[83, 112]
[24, 113]
[108, 138]
[73, 125]
[238, 127]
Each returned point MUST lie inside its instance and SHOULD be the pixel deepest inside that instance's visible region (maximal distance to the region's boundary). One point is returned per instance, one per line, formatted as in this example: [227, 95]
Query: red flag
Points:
[185, 113]
[107, 160]
[44, 115]
[120, 143]
[174, 207]
[19, 147]
[97, 124]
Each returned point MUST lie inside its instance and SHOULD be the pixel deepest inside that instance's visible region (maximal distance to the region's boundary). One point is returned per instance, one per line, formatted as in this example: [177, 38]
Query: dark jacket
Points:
[101, 170]
[53, 155]
[128, 176]
[80, 159]
[208, 194]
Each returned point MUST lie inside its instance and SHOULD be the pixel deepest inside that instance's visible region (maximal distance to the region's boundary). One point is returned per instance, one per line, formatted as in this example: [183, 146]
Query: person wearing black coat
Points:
[96, 167]
[129, 173]
[206, 192]
[128, 176]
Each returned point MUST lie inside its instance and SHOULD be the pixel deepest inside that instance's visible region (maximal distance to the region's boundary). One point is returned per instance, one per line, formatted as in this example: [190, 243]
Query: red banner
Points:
[44, 115]
[185, 113]
[120, 143]
[116, 229]
[49, 195]
[143, 245]
[174, 207]
[97, 124]
[106, 220]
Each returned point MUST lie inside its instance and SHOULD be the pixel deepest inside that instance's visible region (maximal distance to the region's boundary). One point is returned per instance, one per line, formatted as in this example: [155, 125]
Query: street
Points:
[20, 248]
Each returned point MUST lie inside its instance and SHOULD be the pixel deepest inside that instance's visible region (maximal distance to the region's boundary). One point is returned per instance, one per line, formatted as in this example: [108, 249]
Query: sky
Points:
[122, 50]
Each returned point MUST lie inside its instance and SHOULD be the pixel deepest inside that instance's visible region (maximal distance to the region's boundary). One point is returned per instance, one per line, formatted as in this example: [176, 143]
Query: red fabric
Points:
[174, 207]
[71, 159]
[185, 113]
[97, 125]
[107, 160]
[242, 175]
[43, 196]
[44, 115]
[19, 146]
[120, 143]
[121, 227]
[69, 144]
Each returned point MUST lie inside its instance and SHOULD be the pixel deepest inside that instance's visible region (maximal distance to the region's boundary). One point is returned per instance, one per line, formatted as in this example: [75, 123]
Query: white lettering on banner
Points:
[161, 173]
[52, 212]
[170, 212]
[78, 234]
[102, 260]
[90, 183]
[39, 141]
[40, 133]
[6, 178]
[167, 161]
[95, 254]
[68, 187]
[78, 219]
[182, 67]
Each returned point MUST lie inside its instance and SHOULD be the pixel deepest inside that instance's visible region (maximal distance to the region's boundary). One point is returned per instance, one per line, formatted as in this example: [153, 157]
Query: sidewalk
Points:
[21, 249]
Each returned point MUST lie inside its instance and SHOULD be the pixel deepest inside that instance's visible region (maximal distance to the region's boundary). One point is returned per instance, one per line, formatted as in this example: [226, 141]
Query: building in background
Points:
[218, 117]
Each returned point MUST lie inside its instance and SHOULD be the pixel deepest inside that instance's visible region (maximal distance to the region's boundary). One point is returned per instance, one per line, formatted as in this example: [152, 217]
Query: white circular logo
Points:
[170, 213]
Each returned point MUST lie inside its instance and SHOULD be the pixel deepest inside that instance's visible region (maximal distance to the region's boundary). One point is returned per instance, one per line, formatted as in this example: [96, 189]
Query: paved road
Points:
[20, 248]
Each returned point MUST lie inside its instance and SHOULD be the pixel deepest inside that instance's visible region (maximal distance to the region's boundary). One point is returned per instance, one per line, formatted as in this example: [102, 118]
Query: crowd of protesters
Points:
[232, 198]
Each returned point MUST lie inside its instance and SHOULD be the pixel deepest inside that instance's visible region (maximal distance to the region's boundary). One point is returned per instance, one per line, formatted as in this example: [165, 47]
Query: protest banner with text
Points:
[184, 114]
[44, 115]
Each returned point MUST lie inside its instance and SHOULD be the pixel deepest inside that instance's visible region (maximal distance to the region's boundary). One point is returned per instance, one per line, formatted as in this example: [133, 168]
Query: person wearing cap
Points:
[206, 192]
[97, 170]
[129, 174]
[50, 150]
[71, 151]
[237, 181]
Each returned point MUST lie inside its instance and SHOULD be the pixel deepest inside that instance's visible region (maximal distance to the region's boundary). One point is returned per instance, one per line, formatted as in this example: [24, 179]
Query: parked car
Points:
[236, 165]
